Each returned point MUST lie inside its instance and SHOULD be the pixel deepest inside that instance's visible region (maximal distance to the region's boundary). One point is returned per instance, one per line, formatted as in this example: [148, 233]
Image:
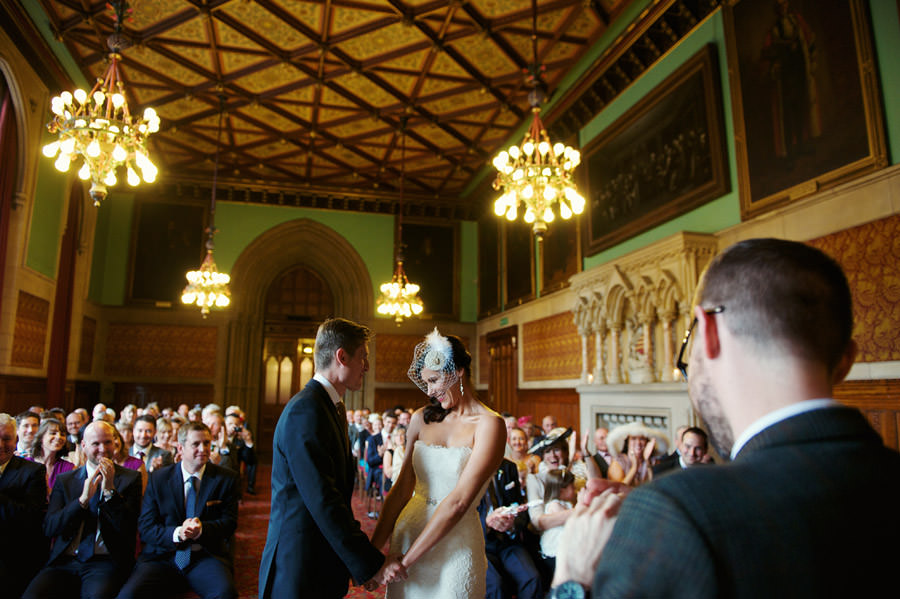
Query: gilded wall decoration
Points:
[30, 334]
[551, 349]
[870, 255]
[484, 361]
[161, 351]
[393, 354]
[86, 349]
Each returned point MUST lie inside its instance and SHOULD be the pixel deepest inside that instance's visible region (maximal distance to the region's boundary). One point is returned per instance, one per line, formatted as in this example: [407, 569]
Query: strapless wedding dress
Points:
[456, 566]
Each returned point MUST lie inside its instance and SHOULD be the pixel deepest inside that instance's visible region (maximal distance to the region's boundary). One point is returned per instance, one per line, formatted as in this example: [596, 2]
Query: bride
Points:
[454, 445]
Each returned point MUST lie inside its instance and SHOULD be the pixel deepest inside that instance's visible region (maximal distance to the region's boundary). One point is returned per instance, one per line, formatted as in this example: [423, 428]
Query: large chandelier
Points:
[207, 287]
[98, 127]
[400, 298]
[535, 175]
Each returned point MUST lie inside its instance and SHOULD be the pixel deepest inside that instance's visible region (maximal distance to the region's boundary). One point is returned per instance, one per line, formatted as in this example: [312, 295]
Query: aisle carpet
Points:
[253, 523]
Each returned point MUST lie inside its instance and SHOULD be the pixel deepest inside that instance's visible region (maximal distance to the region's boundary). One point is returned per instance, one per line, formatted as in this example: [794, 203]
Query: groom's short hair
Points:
[338, 333]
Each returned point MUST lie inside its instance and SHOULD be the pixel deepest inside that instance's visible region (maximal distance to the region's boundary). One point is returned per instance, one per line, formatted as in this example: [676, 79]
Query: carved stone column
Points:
[668, 366]
[649, 349]
[615, 366]
[599, 374]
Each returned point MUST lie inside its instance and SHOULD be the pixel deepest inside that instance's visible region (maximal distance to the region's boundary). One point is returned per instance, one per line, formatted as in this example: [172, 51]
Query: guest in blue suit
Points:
[23, 493]
[807, 507]
[314, 545]
[92, 519]
[187, 524]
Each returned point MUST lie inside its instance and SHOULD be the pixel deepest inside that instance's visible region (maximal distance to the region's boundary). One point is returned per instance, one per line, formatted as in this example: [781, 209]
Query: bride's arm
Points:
[487, 453]
[402, 488]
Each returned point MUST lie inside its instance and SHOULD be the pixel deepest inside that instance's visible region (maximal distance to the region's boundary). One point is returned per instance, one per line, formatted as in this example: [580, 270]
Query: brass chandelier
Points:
[207, 287]
[98, 127]
[536, 175]
[400, 298]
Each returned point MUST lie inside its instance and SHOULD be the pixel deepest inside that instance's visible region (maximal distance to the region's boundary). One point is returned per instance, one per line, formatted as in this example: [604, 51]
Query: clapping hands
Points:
[391, 571]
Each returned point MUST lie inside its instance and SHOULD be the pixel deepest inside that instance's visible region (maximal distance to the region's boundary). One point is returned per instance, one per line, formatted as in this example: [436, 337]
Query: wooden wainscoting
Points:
[562, 403]
[388, 399]
[18, 393]
[879, 400]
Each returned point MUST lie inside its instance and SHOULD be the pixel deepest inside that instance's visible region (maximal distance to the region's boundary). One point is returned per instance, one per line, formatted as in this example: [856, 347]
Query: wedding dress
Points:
[455, 568]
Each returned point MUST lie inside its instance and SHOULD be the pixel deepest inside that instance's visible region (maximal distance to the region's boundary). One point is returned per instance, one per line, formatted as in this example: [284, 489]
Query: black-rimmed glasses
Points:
[680, 363]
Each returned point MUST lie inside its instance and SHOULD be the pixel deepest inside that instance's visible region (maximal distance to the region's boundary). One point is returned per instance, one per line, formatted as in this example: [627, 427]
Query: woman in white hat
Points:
[632, 446]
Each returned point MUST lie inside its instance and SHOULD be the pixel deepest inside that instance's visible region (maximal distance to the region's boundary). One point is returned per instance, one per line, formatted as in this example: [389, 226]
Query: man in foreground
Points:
[807, 507]
[187, 525]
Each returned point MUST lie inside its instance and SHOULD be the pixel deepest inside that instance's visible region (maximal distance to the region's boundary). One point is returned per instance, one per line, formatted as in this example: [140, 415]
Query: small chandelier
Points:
[536, 174]
[98, 126]
[207, 287]
[399, 298]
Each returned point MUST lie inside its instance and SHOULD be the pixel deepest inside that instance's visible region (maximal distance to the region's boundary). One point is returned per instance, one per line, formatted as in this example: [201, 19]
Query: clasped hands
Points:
[392, 570]
[103, 476]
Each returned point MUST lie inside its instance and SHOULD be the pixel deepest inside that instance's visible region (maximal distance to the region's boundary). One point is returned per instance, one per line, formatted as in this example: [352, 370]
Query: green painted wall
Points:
[886, 31]
[112, 249]
[713, 216]
[468, 275]
[47, 217]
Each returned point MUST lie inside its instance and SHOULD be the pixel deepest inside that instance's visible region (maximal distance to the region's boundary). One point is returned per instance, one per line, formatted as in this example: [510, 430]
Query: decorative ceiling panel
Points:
[316, 92]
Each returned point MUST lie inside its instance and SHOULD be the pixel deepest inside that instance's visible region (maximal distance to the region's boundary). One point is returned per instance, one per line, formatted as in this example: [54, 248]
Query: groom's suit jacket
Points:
[808, 508]
[23, 503]
[314, 544]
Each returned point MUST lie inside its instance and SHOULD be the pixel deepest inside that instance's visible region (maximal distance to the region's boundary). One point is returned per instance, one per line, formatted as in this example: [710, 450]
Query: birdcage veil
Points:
[436, 354]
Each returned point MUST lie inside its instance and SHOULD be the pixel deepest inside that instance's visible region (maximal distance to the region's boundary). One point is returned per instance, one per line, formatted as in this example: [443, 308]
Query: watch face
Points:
[569, 590]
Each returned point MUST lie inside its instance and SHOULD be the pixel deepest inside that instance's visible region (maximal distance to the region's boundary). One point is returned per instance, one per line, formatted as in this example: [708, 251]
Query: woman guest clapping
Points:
[48, 449]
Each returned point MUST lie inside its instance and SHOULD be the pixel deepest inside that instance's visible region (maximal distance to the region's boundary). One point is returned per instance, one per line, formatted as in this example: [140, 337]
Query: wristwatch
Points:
[569, 590]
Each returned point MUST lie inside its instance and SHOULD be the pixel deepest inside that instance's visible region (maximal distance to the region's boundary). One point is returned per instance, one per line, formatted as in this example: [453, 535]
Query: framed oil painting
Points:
[807, 113]
[662, 158]
[519, 266]
[168, 242]
[431, 262]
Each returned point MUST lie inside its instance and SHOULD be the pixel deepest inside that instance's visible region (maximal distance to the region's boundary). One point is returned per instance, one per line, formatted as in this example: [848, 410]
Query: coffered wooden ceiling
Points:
[316, 92]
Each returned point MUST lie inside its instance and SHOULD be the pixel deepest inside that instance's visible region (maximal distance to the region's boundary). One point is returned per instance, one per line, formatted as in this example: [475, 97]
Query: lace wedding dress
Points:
[455, 567]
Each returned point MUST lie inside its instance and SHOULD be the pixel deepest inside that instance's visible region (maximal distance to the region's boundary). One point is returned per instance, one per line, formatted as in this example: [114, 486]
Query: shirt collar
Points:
[332, 392]
[185, 475]
[777, 416]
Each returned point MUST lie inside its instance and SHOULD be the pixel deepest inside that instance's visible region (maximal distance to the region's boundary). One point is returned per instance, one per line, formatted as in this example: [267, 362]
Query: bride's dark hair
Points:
[433, 412]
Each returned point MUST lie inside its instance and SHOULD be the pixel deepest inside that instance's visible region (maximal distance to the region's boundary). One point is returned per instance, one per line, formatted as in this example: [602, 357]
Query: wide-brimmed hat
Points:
[615, 441]
[553, 437]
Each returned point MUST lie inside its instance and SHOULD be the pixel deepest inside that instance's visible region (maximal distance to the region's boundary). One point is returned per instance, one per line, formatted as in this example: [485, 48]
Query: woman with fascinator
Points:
[454, 445]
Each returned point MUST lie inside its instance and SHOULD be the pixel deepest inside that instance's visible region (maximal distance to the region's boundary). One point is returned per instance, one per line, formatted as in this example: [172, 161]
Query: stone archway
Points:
[300, 242]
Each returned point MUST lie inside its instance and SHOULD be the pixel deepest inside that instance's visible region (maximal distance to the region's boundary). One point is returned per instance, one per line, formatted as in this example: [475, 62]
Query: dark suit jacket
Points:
[506, 489]
[117, 517]
[164, 510]
[808, 508]
[167, 458]
[667, 464]
[373, 442]
[314, 544]
[23, 503]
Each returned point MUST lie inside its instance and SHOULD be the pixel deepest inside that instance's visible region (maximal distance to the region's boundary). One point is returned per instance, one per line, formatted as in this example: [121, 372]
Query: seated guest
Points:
[393, 457]
[511, 569]
[98, 412]
[559, 495]
[27, 424]
[126, 432]
[554, 452]
[374, 457]
[222, 452]
[23, 502]
[598, 464]
[240, 437]
[128, 461]
[633, 446]
[526, 462]
[49, 449]
[144, 432]
[73, 425]
[92, 519]
[693, 451]
[165, 435]
[187, 525]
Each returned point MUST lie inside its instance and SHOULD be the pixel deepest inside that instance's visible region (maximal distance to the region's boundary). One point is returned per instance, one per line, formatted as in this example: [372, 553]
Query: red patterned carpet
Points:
[253, 523]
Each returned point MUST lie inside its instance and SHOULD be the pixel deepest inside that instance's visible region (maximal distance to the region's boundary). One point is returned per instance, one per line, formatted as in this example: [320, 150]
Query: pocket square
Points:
[510, 485]
[213, 502]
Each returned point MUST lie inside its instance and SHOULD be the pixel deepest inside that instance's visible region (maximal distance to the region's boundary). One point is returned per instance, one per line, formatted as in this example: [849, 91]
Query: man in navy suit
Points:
[23, 496]
[808, 505]
[187, 524]
[314, 544]
[92, 519]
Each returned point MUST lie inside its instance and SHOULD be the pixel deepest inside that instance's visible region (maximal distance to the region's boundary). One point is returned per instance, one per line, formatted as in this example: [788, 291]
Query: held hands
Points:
[391, 571]
[155, 463]
[107, 471]
[501, 520]
[584, 538]
[91, 485]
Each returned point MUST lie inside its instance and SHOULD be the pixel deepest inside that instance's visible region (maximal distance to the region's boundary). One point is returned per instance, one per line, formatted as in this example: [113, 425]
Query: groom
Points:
[314, 545]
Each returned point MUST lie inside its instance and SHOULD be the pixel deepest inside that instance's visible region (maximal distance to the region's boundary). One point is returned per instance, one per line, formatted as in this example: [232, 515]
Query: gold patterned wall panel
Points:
[551, 349]
[870, 255]
[484, 361]
[393, 354]
[161, 351]
[30, 334]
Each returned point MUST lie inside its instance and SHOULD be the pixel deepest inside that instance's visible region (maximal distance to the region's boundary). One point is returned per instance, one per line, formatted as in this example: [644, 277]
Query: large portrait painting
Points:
[431, 262]
[805, 96]
[168, 242]
[662, 158]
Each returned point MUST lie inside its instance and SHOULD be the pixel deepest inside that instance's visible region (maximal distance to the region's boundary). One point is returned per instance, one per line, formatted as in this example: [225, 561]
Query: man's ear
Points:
[845, 364]
[341, 356]
[707, 329]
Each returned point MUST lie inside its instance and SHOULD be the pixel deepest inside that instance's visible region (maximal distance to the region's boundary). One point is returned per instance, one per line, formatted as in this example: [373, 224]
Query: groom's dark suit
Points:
[808, 508]
[314, 544]
[23, 503]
